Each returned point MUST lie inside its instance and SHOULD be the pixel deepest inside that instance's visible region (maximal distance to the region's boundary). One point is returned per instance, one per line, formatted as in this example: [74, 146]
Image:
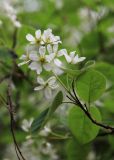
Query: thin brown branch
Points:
[83, 107]
[10, 108]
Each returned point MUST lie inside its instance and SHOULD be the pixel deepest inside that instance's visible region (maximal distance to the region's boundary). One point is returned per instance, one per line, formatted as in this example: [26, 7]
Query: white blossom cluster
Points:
[46, 56]
[33, 150]
[10, 12]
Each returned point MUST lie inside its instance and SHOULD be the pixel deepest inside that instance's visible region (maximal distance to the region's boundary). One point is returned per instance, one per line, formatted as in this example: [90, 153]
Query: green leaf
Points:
[107, 69]
[109, 103]
[57, 101]
[39, 122]
[81, 126]
[89, 64]
[90, 85]
[74, 150]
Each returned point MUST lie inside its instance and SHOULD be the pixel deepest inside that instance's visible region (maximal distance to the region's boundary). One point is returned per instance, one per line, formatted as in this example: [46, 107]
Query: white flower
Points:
[52, 49]
[45, 131]
[48, 149]
[49, 38]
[26, 124]
[26, 59]
[47, 86]
[11, 13]
[72, 58]
[57, 64]
[41, 60]
[36, 39]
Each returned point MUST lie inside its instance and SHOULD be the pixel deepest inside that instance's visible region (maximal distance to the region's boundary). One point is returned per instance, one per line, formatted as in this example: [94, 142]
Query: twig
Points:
[85, 110]
[10, 108]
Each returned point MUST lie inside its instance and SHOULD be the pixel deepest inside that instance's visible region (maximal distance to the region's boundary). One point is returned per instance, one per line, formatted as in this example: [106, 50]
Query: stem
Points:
[61, 82]
[59, 136]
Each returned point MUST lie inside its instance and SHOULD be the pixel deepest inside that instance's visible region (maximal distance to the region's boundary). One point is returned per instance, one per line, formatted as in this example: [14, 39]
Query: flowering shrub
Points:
[45, 55]
[54, 100]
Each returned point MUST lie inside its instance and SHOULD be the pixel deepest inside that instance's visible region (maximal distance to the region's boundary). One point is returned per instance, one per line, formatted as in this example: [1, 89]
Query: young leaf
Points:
[89, 64]
[90, 85]
[81, 126]
[57, 101]
[39, 122]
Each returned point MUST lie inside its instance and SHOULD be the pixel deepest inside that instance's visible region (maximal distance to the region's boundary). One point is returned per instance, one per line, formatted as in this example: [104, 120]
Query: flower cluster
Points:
[10, 12]
[46, 56]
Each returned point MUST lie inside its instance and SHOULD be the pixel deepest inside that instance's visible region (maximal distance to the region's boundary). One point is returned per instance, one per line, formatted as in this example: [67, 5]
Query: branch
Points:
[10, 108]
[83, 107]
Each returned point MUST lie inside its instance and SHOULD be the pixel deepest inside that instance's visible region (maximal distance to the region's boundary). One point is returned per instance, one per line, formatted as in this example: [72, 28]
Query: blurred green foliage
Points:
[85, 26]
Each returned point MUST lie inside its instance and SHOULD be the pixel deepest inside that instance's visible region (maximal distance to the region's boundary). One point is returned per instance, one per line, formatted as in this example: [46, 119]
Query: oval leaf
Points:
[90, 85]
[81, 126]
[39, 122]
[57, 101]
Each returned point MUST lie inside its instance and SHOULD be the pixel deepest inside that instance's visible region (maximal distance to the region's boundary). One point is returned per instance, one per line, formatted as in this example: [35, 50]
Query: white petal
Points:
[34, 66]
[68, 58]
[77, 59]
[55, 48]
[72, 54]
[40, 80]
[30, 38]
[39, 88]
[51, 80]
[62, 52]
[57, 62]
[57, 38]
[39, 69]
[57, 70]
[48, 92]
[22, 63]
[47, 67]
[33, 56]
[42, 50]
[38, 34]
[49, 48]
[50, 57]
[47, 33]
[82, 59]
[52, 38]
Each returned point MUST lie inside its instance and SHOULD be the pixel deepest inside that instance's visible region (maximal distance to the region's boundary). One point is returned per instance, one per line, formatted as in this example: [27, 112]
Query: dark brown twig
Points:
[85, 110]
[10, 108]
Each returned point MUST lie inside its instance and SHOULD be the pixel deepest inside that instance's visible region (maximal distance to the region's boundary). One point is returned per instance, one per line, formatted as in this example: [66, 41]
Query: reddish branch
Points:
[75, 100]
